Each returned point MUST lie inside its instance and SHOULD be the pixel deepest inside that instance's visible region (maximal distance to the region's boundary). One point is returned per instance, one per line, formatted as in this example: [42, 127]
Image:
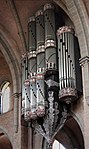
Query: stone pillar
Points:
[16, 111]
[30, 138]
[84, 62]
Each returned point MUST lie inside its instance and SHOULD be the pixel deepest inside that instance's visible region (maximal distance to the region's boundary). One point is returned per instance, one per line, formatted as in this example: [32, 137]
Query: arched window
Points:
[57, 145]
[5, 97]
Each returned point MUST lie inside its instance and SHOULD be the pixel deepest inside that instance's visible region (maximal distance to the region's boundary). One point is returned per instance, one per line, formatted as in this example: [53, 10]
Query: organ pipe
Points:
[27, 100]
[50, 46]
[25, 87]
[23, 77]
[30, 79]
[49, 17]
[67, 81]
[31, 34]
[32, 65]
[50, 39]
[40, 51]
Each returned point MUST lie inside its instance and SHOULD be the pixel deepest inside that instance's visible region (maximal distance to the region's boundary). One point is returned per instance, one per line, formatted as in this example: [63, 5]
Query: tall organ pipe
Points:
[50, 42]
[67, 81]
[32, 66]
[23, 77]
[25, 87]
[40, 63]
[22, 80]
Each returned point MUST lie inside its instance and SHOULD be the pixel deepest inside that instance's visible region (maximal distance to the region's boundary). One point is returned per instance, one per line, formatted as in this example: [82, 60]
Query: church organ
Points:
[49, 73]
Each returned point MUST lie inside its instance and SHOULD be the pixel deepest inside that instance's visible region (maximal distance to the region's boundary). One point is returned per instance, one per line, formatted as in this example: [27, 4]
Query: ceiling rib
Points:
[18, 23]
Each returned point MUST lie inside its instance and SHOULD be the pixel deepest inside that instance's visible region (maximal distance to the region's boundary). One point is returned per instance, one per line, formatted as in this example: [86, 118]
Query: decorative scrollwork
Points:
[65, 29]
[67, 94]
[50, 124]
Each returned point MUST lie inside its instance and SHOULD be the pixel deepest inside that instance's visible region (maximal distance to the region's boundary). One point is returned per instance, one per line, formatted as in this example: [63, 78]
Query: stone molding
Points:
[16, 95]
[84, 60]
[16, 110]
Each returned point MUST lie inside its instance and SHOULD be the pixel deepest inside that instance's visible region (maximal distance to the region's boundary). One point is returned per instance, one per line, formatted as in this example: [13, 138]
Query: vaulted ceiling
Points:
[14, 17]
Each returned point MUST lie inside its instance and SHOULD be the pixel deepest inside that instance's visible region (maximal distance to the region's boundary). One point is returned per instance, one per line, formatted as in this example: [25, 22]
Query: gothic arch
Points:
[12, 62]
[5, 136]
[10, 41]
[4, 142]
[71, 135]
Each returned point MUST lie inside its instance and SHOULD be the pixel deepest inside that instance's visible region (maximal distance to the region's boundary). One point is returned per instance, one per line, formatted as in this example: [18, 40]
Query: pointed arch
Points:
[69, 137]
[5, 137]
[12, 62]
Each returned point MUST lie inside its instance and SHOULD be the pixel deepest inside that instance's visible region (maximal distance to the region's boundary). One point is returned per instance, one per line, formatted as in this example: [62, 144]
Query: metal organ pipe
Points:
[23, 77]
[25, 87]
[50, 39]
[49, 17]
[30, 72]
[39, 28]
[40, 51]
[67, 82]
[32, 66]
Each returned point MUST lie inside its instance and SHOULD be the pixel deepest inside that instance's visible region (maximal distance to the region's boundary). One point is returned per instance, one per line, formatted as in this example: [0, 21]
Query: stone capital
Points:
[84, 60]
[16, 95]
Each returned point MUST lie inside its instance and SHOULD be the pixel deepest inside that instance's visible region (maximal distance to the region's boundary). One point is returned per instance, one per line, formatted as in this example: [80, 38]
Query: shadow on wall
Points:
[4, 142]
[71, 135]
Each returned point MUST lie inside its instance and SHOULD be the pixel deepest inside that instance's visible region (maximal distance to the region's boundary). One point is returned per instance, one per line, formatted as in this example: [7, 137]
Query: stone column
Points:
[84, 62]
[16, 111]
[30, 137]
